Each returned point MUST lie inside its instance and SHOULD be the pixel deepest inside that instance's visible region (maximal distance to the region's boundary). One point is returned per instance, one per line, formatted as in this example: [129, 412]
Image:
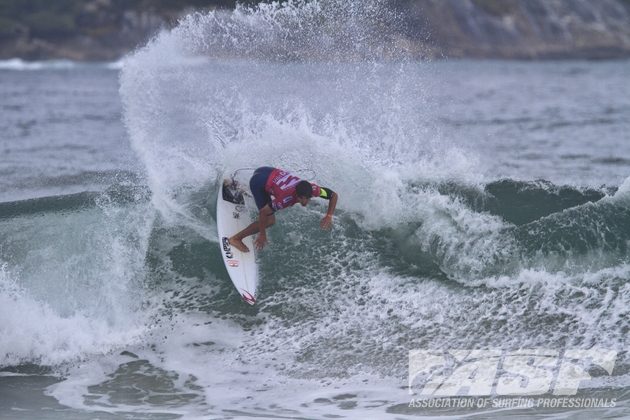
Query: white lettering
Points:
[522, 372]
[572, 372]
[529, 372]
[425, 364]
[474, 373]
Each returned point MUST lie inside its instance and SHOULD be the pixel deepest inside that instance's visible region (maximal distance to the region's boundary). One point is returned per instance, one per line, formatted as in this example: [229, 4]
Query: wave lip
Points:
[469, 232]
[521, 202]
[115, 194]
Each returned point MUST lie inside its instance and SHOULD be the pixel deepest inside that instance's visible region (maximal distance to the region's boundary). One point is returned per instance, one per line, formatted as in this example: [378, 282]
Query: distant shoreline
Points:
[101, 31]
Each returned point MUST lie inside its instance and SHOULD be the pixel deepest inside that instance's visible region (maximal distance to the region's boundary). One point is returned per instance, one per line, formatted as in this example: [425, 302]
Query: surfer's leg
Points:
[237, 240]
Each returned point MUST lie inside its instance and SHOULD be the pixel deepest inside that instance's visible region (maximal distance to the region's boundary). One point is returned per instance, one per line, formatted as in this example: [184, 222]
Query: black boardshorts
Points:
[257, 185]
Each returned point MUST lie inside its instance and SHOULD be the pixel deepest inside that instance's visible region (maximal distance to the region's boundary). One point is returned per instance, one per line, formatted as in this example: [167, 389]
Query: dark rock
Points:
[526, 29]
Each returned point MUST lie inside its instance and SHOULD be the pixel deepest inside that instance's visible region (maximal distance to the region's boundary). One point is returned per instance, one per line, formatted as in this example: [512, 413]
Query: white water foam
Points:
[230, 383]
[18, 64]
[34, 332]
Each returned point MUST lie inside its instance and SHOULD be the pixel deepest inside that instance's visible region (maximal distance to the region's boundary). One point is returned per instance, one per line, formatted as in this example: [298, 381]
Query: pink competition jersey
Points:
[281, 185]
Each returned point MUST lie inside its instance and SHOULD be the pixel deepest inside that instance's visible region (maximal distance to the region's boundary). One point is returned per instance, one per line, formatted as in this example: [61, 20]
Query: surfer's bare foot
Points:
[238, 244]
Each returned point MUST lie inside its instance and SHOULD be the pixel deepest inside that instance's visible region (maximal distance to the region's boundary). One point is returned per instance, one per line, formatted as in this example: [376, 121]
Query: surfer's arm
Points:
[331, 196]
[265, 217]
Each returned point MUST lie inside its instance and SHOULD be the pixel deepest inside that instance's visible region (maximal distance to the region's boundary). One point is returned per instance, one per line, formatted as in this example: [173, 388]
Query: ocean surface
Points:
[483, 205]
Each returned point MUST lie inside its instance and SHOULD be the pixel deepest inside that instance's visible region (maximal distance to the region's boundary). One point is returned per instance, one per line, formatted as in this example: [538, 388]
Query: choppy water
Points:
[484, 204]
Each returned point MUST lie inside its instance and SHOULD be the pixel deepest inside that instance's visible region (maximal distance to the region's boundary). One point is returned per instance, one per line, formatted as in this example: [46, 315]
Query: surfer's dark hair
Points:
[304, 189]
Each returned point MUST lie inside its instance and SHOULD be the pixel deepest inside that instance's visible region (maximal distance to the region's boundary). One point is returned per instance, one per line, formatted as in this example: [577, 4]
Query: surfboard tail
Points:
[248, 297]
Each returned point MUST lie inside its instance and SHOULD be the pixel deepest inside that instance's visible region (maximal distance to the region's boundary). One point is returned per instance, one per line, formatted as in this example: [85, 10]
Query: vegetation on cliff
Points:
[64, 18]
[106, 29]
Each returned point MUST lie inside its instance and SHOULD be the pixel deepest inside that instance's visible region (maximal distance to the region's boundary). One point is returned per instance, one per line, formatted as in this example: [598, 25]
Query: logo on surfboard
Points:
[227, 248]
[233, 263]
[247, 297]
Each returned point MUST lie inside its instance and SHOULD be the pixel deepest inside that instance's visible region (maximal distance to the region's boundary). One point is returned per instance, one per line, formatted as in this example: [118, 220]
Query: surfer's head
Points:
[304, 192]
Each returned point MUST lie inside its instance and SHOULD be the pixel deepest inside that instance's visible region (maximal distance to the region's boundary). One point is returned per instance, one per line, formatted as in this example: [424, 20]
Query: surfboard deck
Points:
[232, 217]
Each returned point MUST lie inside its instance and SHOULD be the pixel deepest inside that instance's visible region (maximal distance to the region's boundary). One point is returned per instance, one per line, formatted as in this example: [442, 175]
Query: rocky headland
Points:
[105, 30]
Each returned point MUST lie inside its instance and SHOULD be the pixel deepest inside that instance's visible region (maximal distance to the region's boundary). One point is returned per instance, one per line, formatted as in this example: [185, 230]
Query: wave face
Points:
[71, 275]
[428, 252]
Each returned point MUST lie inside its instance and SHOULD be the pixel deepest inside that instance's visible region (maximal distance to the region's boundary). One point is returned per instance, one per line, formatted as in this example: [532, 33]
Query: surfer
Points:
[275, 189]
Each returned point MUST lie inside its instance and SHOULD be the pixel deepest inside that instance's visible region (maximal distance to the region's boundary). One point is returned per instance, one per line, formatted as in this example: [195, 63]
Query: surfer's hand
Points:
[260, 241]
[326, 222]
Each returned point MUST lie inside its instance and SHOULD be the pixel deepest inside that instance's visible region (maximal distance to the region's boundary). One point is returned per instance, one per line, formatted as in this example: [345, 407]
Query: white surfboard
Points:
[232, 217]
